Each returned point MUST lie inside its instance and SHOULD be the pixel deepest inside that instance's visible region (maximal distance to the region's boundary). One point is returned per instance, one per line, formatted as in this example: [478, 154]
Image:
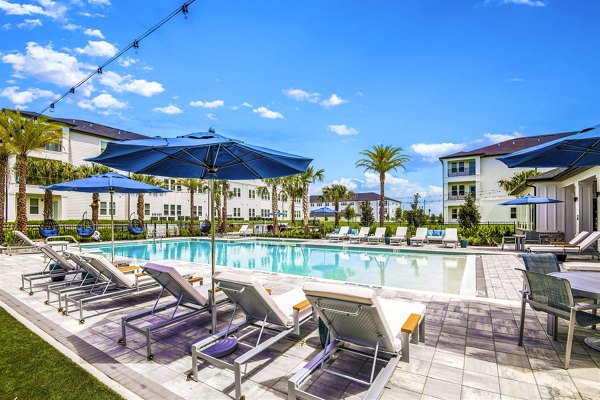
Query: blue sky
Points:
[324, 79]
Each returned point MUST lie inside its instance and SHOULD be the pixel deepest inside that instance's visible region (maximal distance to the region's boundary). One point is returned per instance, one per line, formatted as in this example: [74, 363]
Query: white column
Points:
[577, 207]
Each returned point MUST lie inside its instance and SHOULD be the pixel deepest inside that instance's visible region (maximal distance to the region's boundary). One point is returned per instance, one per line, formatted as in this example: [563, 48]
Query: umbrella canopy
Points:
[579, 150]
[324, 210]
[201, 155]
[110, 182]
[279, 214]
[529, 199]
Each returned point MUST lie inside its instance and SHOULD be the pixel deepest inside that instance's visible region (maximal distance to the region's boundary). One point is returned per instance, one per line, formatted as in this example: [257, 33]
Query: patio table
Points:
[586, 285]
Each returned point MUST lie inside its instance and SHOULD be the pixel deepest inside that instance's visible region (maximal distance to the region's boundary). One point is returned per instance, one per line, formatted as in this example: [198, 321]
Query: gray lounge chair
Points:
[586, 245]
[285, 313]
[357, 316]
[575, 241]
[57, 268]
[196, 299]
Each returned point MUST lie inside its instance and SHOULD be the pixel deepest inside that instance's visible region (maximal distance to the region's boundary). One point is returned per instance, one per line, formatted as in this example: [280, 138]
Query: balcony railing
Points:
[460, 196]
[466, 172]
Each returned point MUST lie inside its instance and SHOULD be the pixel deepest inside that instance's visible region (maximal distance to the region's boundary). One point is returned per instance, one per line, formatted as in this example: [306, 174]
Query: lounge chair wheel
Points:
[82, 321]
[46, 302]
[21, 289]
[65, 313]
[60, 310]
[31, 293]
[121, 341]
[150, 357]
[190, 377]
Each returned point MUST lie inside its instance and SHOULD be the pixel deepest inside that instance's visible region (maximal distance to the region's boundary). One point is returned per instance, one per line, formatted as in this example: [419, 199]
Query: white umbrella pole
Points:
[212, 255]
[112, 227]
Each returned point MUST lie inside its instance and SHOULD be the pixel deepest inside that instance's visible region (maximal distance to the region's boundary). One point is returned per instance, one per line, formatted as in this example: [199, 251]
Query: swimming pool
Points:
[436, 272]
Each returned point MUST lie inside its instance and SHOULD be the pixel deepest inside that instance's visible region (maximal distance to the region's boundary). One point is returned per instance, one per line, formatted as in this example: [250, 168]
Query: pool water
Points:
[436, 272]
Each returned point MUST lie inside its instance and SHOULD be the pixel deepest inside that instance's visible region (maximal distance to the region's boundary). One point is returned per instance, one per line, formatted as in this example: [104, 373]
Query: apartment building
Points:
[477, 172]
[83, 139]
[390, 204]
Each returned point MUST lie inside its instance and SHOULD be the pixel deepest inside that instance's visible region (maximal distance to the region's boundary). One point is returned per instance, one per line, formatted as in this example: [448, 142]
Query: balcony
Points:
[460, 196]
[466, 172]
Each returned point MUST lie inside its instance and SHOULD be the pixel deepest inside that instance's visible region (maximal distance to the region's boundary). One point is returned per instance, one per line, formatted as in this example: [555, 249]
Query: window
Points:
[251, 213]
[198, 211]
[251, 194]
[265, 196]
[166, 210]
[454, 190]
[34, 206]
[173, 209]
[103, 144]
[461, 190]
[53, 147]
[513, 212]
[319, 204]
[471, 167]
[285, 214]
[104, 208]
[461, 166]
[454, 214]
[453, 167]
[264, 212]
[236, 192]
[146, 208]
[179, 210]
[297, 214]
[472, 190]
[237, 212]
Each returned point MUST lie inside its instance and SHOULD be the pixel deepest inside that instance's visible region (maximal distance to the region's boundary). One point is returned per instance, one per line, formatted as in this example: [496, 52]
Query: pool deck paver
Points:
[470, 351]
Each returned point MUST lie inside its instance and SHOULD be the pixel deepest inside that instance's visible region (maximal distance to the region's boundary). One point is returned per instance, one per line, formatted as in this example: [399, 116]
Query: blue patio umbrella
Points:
[579, 150]
[109, 182]
[324, 210]
[204, 155]
[279, 214]
[529, 200]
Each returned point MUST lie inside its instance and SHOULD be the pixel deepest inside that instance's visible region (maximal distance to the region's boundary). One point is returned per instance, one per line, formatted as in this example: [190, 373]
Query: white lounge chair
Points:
[585, 245]
[335, 232]
[241, 232]
[377, 237]
[357, 316]
[420, 237]
[400, 235]
[575, 241]
[361, 236]
[196, 299]
[341, 235]
[50, 271]
[451, 237]
[287, 312]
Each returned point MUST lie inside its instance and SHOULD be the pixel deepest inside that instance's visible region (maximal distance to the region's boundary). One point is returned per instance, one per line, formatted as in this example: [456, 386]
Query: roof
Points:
[557, 174]
[365, 196]
[100, 130]
[509, 146]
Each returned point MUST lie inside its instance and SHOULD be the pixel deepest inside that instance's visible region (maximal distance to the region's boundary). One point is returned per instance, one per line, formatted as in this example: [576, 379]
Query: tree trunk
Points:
[337, 214]
[3, 171]
[192, 213]
[219, 212]
[140, 207]
[382, 199]
[293, 210]
[48, 204]
[22, 199]
[95, 207]
[274, 209]
[224, 193]
[305, 209]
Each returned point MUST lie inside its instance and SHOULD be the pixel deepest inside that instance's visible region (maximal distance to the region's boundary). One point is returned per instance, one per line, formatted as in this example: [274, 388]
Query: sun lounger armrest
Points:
[297, 308]
[580, 307]
[269, 290]
[196, 279]
[411, 324]
[139, 274]
[128, 268]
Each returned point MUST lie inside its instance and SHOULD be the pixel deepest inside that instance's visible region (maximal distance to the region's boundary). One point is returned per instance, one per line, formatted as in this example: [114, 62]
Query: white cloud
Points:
[333, 101]
[127, 61]
[532, 3]
[98, 48]
[264, 112]
[501, 137]
[127, 83]
[47, 8]
[348, 182]
[207, 104]
[342, 130]
[401, 188]
[234, 108]
[211, 117]
[7, 26]
[246, 104]
[71, 27]
[102, 3]
[94, 32]
[90, 15]
[103, 100]
[29, 24]
[430, 152]
[302, 95]
[169, 110]
[516, 80]
[26, 96]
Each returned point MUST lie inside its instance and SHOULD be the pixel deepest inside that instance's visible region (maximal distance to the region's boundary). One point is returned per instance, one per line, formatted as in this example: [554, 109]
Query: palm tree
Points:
[271, 184]
[85, 171]
[382, 159]
[518, 182]
[150, 180]
[193, 185]
[6, 150]
[30, 135]
[334, 194]
[311, 175]
[46, 172]
[225, 193]
[293, 189]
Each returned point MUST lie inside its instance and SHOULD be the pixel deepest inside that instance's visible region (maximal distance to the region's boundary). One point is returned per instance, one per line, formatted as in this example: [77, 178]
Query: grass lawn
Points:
[32, 369]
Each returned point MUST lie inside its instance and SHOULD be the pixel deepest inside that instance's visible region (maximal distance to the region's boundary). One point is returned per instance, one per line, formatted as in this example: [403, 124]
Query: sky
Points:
[323, 79]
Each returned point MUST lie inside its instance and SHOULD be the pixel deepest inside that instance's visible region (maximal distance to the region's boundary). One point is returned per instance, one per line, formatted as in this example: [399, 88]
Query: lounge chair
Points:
[451, 237]
[435, 235]
[581, 266]
[361, 236]
[117, 284]
[586, 244]
[343, 233]
[400, 236]
[575, 241]
[420, 237]
[27, 245]
[196, 299]
[553, 296]
[358, 317]
[285, 313]
[56, 269]
[241, 232]
[377, 237]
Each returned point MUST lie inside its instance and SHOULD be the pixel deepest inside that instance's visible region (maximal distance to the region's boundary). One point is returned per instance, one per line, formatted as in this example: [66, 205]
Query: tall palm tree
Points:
[150, 180]
[193, 185]
[271, 184]
[311, 176]
[334, 194]
[6, 150]
[518, 182]
[30, 135]
[46, 172]
[293, 188]
[225, 193]
[382, 159]
[85, 171]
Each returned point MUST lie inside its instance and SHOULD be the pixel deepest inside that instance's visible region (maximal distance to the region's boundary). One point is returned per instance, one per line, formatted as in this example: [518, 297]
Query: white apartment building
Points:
[83, 139]
[390, 205]
[477, 172]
